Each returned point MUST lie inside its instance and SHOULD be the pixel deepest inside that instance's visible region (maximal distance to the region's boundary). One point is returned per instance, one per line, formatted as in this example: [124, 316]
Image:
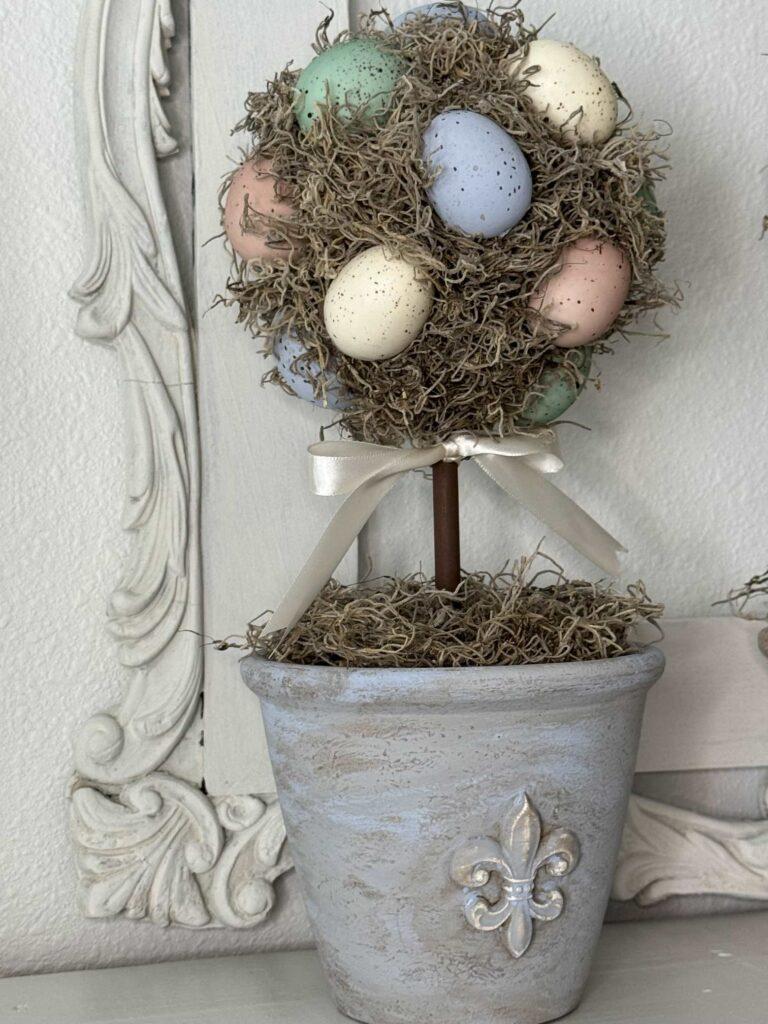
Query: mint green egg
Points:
[351, 74]
[648, 195]
[558, 391]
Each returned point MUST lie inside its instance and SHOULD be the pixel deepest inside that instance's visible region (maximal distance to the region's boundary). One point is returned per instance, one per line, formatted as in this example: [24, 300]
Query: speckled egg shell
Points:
[588, 291]
[376, 306]
[484, 184]
[566, 81]
[351, 74]
[296, 367]
[558, 390]
[254, 184]
[445, 12]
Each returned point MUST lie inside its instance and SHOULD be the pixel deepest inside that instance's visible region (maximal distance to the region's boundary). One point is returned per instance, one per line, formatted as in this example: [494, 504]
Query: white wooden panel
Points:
[703, 971]
[710, 708]
[259, 518]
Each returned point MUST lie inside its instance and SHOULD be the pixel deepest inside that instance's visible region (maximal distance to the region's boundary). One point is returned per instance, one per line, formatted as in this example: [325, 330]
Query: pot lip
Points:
[564, 683]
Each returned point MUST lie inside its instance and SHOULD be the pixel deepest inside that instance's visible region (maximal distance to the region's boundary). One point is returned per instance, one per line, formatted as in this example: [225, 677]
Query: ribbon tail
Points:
[337, 539]
[555, 509]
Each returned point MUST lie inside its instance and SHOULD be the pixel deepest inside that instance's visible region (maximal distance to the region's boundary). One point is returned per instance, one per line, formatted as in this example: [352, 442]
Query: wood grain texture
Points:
[261, 519]
[445, 516]
[704, 971]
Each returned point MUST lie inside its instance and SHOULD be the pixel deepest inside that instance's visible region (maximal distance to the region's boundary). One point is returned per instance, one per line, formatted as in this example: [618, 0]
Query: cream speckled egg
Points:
[253, 193]
[588, 291]
[377, 305]
[569, 92]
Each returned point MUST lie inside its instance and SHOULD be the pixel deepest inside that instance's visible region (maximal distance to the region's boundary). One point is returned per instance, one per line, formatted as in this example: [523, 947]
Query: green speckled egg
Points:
[648, 195]
[357, 72]
[558, 391]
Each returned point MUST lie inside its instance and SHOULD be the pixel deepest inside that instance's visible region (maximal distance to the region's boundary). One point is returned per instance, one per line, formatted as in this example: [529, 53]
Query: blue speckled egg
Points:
[297, 369]
[484, 183]
[444, 12]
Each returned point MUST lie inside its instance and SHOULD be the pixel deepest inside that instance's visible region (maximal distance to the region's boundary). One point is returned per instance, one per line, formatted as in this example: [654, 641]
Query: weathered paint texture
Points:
[384, 774]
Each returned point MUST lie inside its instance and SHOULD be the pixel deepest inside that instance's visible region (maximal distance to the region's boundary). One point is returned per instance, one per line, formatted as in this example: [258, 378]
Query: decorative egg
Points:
[558, 390]
[648, 195]
[569, 92]
[255, 193]
[484, 182]
[377, 305]
[356, 73]
[444, 12]
[298, 370]
[587, 292]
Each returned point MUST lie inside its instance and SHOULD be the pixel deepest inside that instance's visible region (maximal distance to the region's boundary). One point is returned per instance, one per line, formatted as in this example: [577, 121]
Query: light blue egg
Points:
[296, 367]
[484, 184]
[444, 12]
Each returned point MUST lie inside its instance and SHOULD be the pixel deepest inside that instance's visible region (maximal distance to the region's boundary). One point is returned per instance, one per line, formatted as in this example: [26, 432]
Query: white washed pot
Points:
[404, 791]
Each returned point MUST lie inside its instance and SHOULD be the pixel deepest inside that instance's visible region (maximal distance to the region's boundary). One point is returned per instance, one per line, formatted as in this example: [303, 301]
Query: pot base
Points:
[367, 1014]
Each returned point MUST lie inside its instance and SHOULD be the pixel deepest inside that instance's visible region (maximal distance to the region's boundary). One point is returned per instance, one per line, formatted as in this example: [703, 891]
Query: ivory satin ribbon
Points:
[518, 464]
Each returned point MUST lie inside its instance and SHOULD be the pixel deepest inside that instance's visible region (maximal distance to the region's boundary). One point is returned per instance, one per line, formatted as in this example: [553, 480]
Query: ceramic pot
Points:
[455, 831]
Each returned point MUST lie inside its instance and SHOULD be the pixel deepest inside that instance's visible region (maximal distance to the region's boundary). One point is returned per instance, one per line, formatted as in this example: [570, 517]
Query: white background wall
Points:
[675, 464]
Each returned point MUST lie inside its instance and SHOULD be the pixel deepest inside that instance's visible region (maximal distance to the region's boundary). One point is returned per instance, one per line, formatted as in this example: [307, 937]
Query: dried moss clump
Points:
[513, 618]
[356, 185]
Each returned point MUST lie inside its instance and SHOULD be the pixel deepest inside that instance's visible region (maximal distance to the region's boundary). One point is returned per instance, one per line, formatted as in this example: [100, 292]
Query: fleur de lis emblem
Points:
[520, 860]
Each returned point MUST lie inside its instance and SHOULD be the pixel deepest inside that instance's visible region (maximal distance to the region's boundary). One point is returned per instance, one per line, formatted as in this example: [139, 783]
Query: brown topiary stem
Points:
[445, 507]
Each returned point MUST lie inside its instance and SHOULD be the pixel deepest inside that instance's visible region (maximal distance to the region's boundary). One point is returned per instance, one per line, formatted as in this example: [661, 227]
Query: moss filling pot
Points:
[455, 831]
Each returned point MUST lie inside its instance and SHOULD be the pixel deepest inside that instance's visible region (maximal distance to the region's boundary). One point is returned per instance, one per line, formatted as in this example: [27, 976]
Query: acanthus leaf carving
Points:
[131, 297]
[668, 851]
[149, 845]
[242, 891]
[139, 853]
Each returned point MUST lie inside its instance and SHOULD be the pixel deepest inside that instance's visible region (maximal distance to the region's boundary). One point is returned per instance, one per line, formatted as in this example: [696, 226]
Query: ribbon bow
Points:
[518, 464]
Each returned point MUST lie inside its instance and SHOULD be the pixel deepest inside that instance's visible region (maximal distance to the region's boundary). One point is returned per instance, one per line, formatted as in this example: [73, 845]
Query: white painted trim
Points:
[149, 843]
[710, 708]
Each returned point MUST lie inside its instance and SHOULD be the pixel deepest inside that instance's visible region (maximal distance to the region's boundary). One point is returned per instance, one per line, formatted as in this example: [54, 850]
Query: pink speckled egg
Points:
[254, 193]
[587, 293]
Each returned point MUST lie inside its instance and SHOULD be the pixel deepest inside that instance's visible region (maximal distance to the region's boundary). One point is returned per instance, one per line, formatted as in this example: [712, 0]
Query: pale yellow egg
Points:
[377, 305]
[569, 91]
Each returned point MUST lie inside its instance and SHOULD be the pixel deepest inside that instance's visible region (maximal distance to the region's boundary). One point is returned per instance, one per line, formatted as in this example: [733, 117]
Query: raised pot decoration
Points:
[455, 831]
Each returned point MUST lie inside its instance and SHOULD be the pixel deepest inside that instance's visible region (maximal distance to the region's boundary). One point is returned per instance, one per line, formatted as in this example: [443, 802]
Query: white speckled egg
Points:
[299, 370]
[588, 291]
[569, 92]
[377, 305]
[483, 184]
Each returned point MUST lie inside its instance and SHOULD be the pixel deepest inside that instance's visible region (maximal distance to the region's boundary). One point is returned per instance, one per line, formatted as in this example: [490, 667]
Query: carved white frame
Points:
[150, 844]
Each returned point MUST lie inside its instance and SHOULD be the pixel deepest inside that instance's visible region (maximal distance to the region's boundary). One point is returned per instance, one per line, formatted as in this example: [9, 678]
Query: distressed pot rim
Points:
[498, 687]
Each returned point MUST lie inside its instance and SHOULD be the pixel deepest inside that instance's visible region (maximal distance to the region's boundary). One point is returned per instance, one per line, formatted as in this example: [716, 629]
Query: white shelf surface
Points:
[701, 971]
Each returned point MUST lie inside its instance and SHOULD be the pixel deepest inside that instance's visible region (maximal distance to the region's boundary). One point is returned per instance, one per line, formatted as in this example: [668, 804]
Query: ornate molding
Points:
[667, 851]
[148, 844]
[517, 860]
